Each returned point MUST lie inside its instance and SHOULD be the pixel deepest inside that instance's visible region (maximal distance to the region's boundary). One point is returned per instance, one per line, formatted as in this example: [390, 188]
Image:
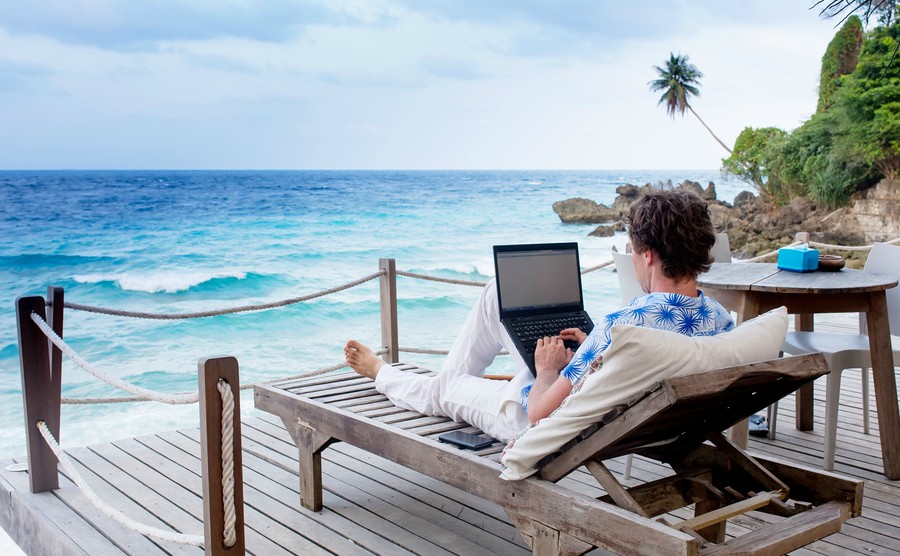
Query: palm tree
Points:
[679, 80]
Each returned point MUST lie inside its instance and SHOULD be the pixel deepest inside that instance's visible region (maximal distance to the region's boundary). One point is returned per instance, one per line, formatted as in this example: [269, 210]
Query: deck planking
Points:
[373, 506]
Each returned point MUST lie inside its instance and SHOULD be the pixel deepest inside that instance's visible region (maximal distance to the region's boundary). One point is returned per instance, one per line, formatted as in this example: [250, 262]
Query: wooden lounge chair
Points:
[672, 422]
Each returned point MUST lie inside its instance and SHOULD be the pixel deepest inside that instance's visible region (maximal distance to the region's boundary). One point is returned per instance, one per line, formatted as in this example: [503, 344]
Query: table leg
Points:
[804, 396]
[885, 383]
[747, 309]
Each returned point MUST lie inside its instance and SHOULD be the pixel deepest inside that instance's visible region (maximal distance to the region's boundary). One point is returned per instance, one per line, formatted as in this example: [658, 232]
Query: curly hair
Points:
[674, 224]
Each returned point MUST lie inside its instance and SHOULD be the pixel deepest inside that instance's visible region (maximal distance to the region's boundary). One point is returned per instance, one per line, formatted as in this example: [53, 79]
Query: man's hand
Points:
[574, 335]
[551, 355]
[549, 388]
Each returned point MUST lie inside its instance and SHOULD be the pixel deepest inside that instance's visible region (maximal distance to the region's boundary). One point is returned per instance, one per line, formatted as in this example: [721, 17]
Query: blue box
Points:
[799, 258]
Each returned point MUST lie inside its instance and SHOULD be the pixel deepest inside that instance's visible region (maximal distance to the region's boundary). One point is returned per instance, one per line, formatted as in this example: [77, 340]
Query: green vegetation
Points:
[851, 142]
[840, 59]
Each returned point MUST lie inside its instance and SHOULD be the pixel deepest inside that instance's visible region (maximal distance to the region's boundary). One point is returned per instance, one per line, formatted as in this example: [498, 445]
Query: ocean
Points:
[184, 241]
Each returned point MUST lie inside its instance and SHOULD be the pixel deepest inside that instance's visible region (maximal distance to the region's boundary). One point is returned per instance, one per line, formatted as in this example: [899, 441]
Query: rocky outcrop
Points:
[754, 227]
[877, 211]
[584, 211]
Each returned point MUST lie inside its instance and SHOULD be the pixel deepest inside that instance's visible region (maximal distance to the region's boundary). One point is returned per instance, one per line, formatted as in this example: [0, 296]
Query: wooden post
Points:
[389, 310]
[40, 401]
[211, 370]
[55, 309]
[802, 237]
[803, 397]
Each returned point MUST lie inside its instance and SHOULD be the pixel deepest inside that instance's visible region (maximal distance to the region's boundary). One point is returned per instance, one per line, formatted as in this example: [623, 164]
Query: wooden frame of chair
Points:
[721, 481]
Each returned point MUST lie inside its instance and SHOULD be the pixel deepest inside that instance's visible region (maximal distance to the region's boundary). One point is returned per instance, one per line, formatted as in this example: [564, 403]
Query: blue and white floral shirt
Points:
[691, 316]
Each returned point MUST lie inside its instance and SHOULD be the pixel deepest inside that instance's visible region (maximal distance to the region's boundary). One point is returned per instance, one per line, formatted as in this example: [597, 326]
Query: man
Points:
[671, 236]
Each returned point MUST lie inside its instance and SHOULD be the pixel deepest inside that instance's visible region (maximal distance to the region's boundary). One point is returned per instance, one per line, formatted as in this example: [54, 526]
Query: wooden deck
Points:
[373, 506]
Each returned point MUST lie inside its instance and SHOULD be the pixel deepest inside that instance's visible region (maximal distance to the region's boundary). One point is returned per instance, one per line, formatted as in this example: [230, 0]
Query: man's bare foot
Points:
[362, 359]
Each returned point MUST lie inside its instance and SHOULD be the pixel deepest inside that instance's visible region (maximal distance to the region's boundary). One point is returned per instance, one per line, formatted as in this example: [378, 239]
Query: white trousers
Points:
[460, 390]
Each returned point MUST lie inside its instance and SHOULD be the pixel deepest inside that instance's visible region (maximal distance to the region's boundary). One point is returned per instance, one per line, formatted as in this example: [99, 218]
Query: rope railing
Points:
[439, 279]
[849, 247]
[228, 481]
[597, 267]
[283, 302]
[69, 467]
[218, 312]
[765, 256]
[228, 503]
[173, 399]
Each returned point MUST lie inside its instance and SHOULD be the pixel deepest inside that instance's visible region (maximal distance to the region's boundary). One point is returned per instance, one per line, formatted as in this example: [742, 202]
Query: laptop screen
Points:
[538, 278]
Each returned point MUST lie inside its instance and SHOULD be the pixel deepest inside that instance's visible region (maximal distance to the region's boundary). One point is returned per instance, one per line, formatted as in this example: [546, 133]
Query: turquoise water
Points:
[181, 241]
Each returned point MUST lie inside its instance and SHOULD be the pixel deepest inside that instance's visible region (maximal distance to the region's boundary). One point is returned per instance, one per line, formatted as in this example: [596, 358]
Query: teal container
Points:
[799, 258]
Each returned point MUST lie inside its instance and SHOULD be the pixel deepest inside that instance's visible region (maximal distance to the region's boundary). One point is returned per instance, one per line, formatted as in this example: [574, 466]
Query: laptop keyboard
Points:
[529, 330]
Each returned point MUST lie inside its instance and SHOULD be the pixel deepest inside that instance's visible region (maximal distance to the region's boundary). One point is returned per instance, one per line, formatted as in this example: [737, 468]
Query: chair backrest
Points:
[884, 258]
[628, 282]
[721, 250]
[680, 410]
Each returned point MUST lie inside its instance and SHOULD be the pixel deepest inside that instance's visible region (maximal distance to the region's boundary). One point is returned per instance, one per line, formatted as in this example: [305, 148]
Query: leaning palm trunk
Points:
[724, 146]
[760, 187]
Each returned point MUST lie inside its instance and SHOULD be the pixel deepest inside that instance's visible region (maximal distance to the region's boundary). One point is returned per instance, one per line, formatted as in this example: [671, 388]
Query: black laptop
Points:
[539, 293]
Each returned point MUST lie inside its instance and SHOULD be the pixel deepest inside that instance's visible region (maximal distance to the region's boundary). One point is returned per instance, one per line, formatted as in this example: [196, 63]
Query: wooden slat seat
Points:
[678, 421]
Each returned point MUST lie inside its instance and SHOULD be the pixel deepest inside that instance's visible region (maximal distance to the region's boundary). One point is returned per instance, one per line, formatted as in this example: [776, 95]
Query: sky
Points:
[394, 84]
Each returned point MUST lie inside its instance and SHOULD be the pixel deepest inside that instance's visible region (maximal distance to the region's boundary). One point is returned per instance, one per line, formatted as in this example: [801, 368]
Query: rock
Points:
[693, 186]
[627, 195]
[603, 231]
[754, 228]
[877, 211]
[743, 198]
[584, 211]
[721, 216]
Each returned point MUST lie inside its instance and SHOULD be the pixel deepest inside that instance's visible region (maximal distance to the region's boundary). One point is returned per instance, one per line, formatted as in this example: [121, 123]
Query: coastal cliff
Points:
[754, 228]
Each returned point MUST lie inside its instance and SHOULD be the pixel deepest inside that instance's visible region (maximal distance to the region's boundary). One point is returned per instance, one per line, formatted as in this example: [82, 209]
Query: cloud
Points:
[451, 68]
[142, 25]
[22, 77]
[392, 83]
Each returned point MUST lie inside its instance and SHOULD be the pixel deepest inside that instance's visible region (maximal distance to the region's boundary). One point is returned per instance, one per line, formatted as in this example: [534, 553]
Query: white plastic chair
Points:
[721, 250]
[847, 351]
[628, 282]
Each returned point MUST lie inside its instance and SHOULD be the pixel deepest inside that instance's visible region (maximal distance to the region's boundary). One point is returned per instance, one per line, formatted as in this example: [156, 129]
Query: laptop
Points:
[539, 293]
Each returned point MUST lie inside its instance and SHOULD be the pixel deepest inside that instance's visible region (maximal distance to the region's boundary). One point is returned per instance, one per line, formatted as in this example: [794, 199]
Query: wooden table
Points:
[753, 288]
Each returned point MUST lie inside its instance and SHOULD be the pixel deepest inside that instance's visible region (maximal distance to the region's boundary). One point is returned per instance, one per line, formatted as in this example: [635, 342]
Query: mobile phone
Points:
[468, 440]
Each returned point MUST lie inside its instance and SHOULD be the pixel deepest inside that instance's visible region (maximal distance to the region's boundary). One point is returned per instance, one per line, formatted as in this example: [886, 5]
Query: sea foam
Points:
[160, 282]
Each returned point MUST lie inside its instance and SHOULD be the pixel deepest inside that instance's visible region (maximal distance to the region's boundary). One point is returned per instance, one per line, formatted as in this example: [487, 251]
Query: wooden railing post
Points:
[802, 237]
[39, 398]
[211, 370]
[55, 310]
[389, 310]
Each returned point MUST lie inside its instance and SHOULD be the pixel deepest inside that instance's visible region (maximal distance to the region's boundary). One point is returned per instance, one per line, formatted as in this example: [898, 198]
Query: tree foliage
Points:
[678, 80]
[752, 152]
[840, 59]
[848, 145]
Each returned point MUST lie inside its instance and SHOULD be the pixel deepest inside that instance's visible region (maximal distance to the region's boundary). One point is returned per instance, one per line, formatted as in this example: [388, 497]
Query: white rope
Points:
[423, 351]
[767, 255]
[848, 248]
[112, 399]
[228, 504]
[433, 351]
[598, 267]
[444, 280]
[174, 399]
[171, 536]
[202, 314]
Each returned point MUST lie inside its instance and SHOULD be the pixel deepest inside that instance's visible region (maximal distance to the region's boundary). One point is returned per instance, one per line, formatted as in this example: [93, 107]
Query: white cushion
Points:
[636, 359]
